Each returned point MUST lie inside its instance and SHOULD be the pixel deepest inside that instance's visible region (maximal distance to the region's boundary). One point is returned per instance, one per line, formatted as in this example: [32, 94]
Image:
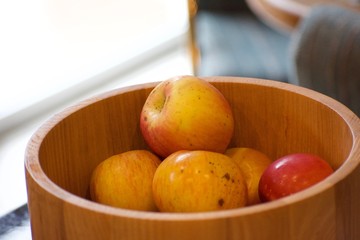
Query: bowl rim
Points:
[35, 172]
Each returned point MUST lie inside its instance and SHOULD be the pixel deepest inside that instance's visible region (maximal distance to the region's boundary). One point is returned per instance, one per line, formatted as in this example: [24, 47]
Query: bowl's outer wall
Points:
[273, 117]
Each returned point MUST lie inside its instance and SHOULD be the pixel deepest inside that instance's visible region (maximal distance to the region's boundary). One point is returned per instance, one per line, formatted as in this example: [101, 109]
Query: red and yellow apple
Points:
[186, 113]
[252, 164]
[125, 180]
[198, 181]
[291, 174]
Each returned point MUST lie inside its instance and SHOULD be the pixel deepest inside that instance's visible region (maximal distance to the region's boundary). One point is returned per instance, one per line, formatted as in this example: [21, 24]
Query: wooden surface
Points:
[284, 15]
[276, 18]
[273, 117]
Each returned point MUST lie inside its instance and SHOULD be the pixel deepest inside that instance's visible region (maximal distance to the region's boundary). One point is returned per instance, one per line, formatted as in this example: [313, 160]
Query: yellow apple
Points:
[252, 164]
[125, 180]
[186, 113]
[198, 181]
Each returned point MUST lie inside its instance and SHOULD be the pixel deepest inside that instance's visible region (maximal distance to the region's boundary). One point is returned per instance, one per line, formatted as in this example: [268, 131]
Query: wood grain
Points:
[274, 117]
[277, 18]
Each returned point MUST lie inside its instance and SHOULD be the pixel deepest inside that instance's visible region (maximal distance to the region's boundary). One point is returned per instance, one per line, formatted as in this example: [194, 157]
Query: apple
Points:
[198, 181]
[125, 180]
[186, 113]
[291, 174]
[252, 164]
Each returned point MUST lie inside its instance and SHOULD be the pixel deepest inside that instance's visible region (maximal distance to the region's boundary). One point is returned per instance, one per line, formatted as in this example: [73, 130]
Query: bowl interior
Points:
[272, 117]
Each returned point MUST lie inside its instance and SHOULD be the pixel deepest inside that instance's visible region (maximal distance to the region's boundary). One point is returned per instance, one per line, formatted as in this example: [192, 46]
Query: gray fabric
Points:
[325, 54]
[14, 220]
[238, 44]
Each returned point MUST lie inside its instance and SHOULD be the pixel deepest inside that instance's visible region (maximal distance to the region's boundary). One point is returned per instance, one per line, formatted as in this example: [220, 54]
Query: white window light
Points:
[48, 47]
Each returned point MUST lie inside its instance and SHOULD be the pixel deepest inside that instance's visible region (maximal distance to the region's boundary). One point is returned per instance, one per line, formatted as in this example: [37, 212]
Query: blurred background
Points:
[232, 39]
[55, 53]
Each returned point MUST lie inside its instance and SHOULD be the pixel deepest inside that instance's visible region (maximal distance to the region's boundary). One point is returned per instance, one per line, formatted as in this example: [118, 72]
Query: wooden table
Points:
[284, 15]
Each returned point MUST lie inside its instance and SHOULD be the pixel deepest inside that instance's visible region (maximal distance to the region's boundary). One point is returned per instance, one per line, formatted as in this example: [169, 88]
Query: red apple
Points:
[186, 113]
[291, 174]
[198, 181]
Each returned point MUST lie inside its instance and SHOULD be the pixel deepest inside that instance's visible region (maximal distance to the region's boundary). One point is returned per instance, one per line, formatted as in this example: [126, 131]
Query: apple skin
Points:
[125, 180]
[186, 113]
[252, 164]
[198, 181]
[291, 174]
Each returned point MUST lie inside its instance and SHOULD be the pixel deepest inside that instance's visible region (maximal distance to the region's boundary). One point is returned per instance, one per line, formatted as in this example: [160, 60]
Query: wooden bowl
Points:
[274, 117]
